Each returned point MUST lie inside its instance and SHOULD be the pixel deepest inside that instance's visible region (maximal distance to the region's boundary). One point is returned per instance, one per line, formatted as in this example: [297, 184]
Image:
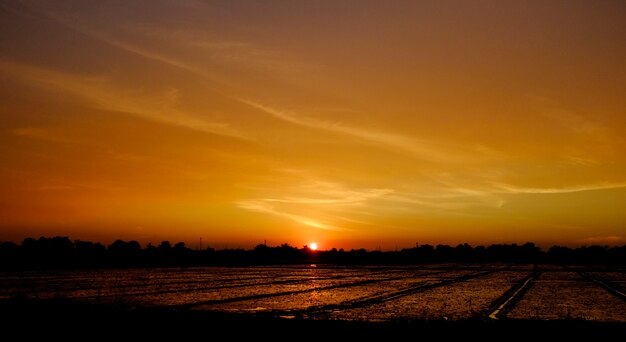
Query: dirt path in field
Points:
[508, 300]
[613, 289]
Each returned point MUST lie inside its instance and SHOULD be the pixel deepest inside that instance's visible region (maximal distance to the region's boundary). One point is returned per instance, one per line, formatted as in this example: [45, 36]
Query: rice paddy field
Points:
[371, 294]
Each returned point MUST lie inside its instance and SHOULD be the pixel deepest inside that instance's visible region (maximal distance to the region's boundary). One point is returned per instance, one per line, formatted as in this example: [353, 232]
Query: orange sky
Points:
[350, 123]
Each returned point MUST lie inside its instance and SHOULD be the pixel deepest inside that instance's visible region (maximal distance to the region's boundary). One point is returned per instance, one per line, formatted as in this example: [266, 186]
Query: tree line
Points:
[62, 252]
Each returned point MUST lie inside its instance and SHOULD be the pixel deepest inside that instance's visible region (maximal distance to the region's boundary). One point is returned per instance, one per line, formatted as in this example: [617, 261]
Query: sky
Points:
[374, 124]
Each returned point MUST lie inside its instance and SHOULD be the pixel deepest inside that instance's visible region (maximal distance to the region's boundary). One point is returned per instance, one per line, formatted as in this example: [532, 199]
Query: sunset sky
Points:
[374, 124]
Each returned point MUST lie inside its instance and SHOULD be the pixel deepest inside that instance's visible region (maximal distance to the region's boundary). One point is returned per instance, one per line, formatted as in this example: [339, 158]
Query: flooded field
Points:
[433, 292]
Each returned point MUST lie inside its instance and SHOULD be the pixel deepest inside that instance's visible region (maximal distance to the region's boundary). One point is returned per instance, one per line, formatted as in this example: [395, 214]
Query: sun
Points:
[313, 246]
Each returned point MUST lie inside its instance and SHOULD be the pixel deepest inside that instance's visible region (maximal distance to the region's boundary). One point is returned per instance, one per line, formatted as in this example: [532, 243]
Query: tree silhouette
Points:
[61, 252]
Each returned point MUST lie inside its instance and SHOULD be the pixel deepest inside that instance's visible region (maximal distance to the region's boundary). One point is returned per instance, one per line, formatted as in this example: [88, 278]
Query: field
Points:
[372, 294]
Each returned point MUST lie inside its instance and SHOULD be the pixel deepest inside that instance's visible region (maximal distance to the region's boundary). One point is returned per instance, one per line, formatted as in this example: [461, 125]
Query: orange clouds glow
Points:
[353, 124]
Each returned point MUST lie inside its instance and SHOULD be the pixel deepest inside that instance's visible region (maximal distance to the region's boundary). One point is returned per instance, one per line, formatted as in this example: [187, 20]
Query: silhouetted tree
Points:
[165, 246]
[124, 253]
[61, 252]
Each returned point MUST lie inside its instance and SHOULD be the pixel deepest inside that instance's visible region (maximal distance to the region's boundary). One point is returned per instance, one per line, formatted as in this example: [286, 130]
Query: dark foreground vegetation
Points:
[63, 253]
[76, 321]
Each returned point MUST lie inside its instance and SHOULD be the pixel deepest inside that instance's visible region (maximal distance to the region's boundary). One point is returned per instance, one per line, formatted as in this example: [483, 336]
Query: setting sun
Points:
[462, 163]
[356, 123]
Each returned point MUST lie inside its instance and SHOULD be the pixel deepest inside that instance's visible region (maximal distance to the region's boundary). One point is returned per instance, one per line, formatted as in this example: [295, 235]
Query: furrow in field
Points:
[328, 296]
[307, 289]
[611, 288]
[567, 295]
[462, 297]
[507, 301]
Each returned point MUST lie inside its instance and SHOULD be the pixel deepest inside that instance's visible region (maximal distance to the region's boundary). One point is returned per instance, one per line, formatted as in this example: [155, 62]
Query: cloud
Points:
[417, 148]
[604, 240]
[263, 207]
[212, 46]
[452, 191]
[64, 185]
[568, 119]
[512, 189]
[203, 44]
[335, 197]
[256, 57]
[450, 203]
[580, 161]
[331, 200]
[99, 91]
[43, 134]
[68, 21]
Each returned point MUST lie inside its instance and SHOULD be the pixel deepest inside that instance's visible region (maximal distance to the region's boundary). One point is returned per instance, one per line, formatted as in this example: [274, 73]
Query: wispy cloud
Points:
[191, 42]
[335, 197]
[512, 189]
[43, 134]
[258, 57]
[73, 24]
[416, 148]
[449, 203]
[568, 119]
[604, 240]
[264, 207]
[99, 91]
[580, 161]
[215, 47]
[329, 200]
[147, 54]
[65, 185]
[452, 192]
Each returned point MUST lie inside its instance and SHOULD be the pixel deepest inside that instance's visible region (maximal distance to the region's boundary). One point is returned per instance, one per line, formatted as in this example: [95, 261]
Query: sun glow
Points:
[386, 126]
[313, 246]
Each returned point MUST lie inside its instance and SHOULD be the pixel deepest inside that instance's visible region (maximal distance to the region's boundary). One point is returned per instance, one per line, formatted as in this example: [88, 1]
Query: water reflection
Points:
[368, 293]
